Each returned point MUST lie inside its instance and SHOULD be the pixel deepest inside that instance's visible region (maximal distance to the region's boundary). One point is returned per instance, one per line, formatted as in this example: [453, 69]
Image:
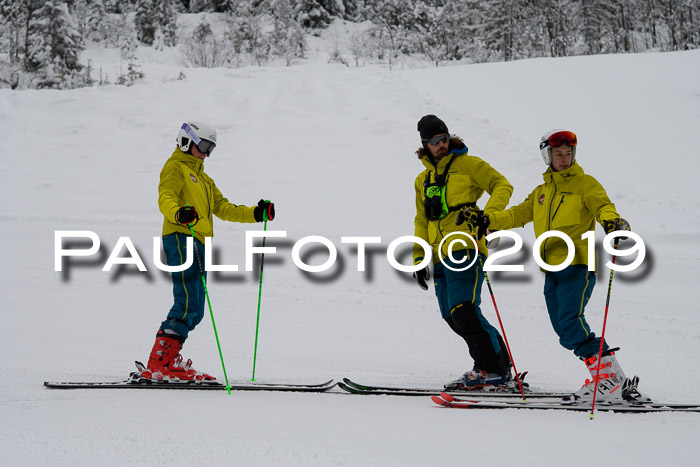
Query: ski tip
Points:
[440, 401]
[447, 397]
[350, 389]
[353, 384]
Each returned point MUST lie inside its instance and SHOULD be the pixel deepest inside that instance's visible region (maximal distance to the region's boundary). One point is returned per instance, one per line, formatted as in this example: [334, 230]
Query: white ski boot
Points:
[610, 381]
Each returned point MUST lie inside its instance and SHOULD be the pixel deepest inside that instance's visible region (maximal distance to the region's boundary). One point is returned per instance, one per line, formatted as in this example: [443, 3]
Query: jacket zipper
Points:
[206, 189]
[556, 211]
[550, 218]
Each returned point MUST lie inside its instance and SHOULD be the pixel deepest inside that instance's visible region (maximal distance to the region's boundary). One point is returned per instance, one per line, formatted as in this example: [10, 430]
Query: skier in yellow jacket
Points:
[570, 202]
[452, 179]
[187, 196]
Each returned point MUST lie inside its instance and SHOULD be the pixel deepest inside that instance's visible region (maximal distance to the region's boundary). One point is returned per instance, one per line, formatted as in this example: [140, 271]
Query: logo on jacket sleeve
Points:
[541, 200]
[194, 179]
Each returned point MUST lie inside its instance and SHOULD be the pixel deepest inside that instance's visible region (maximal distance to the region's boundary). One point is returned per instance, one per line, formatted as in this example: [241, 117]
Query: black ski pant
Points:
[466, 323]
[459, 297]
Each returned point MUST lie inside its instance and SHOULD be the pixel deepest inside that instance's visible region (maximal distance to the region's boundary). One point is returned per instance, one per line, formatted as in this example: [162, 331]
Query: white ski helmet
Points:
[555, 138]
[201, 133]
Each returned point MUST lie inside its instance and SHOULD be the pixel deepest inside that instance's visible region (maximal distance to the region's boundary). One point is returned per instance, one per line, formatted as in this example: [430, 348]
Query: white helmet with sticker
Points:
[201, 133]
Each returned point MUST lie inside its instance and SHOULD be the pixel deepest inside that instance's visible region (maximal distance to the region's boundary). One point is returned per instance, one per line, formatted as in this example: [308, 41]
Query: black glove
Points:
[476, 218]
[421, 277]
[264, 207]
[186, 215]
[615, 225]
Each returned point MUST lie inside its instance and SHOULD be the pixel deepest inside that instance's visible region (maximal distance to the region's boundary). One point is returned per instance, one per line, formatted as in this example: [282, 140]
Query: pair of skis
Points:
[448, 400]
[506, 399]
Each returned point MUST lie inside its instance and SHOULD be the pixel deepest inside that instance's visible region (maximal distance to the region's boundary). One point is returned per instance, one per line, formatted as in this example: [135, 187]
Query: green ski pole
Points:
[257, 323]
[211, 313]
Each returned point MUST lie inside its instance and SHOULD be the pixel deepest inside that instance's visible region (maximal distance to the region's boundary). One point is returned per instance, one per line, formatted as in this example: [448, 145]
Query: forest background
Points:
[41, 41]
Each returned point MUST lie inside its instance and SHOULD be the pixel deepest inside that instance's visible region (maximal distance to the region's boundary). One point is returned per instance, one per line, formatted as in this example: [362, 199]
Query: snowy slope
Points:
[333, 147]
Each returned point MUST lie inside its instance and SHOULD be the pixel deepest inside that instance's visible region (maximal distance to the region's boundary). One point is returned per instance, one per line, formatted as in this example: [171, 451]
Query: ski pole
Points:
[602, 336]
[503, 330]
[257, 322]
[474, 233]
[211, 313]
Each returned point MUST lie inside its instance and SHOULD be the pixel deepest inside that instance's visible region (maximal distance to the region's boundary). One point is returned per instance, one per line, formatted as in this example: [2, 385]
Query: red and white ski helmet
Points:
[555, 138]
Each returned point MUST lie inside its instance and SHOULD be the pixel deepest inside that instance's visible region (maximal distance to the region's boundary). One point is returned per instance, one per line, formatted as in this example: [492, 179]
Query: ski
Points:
[447, 400]
[135, 381]
[356, 388]
[191, 385]
[451, 398]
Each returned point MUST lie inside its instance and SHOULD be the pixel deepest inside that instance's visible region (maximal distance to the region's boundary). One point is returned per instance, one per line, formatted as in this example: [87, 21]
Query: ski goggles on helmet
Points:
[560, 137]
[435, 140]
[203, 145]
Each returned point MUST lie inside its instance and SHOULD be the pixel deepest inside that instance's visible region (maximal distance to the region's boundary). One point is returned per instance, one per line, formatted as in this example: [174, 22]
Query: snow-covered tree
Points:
[649, 15]
[311, 14]
[117, 28]
[151, 15]
[680, 18]
[204, 48]
[555, 16]
[144, 21]
[11, 27]
[247, 37]
[53, 44]
[129, 70]
[394, 20]
[165, 19]
[119, 6]
[198, 6]
[89, 16]
[431, 36]
[358, 47]
[287, 37]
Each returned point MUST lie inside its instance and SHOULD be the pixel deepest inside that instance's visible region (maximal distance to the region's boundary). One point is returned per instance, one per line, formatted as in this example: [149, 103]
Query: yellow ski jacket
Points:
[183, 181]
[467, 179]
[568, 201]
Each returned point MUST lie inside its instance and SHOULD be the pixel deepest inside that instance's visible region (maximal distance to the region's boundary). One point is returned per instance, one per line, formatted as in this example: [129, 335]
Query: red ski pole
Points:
[602, 336]
[503, 330]
[470, 218]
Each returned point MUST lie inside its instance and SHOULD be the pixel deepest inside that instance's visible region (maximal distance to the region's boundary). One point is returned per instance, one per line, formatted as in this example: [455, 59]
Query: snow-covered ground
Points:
[333, 148]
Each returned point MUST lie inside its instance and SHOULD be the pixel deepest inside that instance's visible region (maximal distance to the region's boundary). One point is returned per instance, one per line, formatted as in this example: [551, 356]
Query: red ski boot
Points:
[165, 361]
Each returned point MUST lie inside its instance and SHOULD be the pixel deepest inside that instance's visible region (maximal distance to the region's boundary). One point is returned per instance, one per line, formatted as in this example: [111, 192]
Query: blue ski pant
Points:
[188, 290]
[566, 294]
[459, 299]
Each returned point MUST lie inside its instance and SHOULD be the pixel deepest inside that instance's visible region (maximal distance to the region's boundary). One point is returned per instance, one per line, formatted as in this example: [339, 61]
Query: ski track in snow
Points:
[333, 147]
